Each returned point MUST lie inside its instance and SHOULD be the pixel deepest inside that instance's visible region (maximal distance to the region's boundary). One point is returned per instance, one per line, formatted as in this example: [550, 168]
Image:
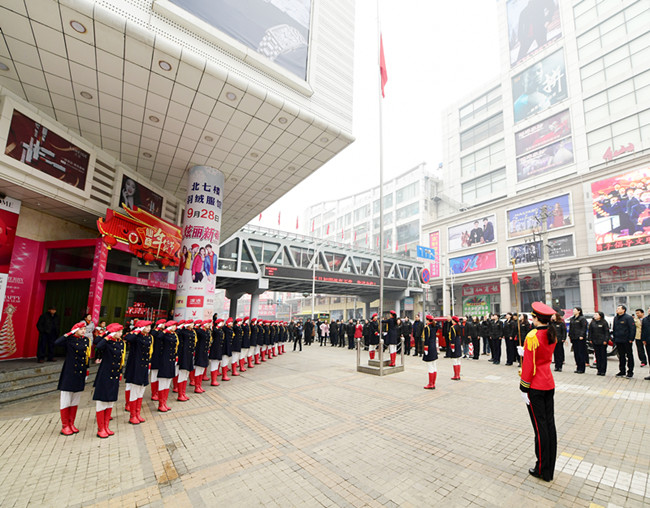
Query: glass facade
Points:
[483, 160]
[486, 104]
[485, 187]
[486, 129]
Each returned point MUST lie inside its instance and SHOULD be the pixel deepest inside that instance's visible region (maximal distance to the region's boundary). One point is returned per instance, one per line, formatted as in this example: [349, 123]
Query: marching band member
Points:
[167, 365]
[201, 355]
[392, 337]
[430, 354]
[137, 367]
[374, 336]
[227, 349]
[155, 357]
[216, 349]
[186, 347]
[109, 374]
[236, 345]
[255, 344]
[245, 360]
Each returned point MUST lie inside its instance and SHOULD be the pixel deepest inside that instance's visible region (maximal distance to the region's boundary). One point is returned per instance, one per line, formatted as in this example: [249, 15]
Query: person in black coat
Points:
[484, 332]
[203, 330]
[373, 336]
[599, 336]
[334, 333]
[496, 334]
[406, 329]
[560, 332]
[418, 329]
[624, 331]
[351, 328]
[48, 330]
[228, 334]
[156, 334]
[236, 345]
[297, 335]
[342, 329]
[246, 359]
[216, 350]
[109, 374]
[390, 327]
[510, 335]
[472, 330]
[445, 333]
[265, 340]
[309, 332]
[578, 337]
[136, 373]
[430, 351]
[255, 346]
[72, 380]
[167, 366]
[454, 341]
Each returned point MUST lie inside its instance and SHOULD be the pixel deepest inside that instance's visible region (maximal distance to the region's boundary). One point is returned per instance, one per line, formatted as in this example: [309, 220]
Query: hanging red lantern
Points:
[110, 241]
[148, 257]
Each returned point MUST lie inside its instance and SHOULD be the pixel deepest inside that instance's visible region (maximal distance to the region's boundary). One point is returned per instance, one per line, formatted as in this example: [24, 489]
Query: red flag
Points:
[313, 221]
[341, 233]
[355, 236]
[260, 217]
[515, 278]
[382, 65]
[328, 230]
[396, 246]
[377, 241]
[406, 248]
[296, 222]
[279, 218]
[366, 238]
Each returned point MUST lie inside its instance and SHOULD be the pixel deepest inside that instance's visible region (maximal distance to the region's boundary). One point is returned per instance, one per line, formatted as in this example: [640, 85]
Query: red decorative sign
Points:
[490, 288]
[195, 301]
[611, 154]
[148, 237]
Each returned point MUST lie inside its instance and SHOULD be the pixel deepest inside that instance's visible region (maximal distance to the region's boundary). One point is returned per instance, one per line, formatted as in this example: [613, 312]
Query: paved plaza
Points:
[305, 429]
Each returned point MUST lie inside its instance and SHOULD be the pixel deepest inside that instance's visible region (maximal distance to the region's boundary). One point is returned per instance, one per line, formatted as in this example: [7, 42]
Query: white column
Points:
[586, 290]
[506, 305]
[255, 305]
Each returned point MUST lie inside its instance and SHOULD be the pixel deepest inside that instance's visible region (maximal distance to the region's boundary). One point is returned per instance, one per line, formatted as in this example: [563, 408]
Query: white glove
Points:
[524, 396]
[520, 350]
[385, 333]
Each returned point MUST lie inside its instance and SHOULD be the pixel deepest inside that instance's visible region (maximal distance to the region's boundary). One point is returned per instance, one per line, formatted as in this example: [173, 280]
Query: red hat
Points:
[541, 309]
[113, 328]
[169, 324]
[207, 322]
[199, 322]
[161, 322]
[455, 318]
[393, 313]
[374, 316]
[229, 321]
[238, 320]
[189, 322]
[141, 323]
[194, 246]
[246, 318]
[253, 320]
[429, 317]
[79, 325]
[219, 321]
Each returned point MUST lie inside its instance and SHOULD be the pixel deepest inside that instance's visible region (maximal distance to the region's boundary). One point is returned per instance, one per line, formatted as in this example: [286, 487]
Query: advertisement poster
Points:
[15, 316]
[621, 208]
[434, 243]
[543, 133]
[478, 305]
[277, 29]
[539, 87]
[544, 160]
[479, 231]
[560, 247]
[532, 25]
[473, 262]
[38, 147]
[134, 194]
[199, 258]
[524, 220]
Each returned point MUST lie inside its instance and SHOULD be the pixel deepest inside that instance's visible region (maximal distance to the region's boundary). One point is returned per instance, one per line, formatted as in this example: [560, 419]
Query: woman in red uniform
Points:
[537, 387]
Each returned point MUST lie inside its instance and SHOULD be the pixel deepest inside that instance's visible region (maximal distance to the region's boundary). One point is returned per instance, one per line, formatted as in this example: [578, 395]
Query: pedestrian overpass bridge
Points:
[257, 259]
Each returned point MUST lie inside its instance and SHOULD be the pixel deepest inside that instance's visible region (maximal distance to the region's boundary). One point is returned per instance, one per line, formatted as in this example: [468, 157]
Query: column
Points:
[446, 298]
[255, 305]
[398, 305]
[367, 313]
[200, 231]
[586, 290]
[506, 304]
[232, 312]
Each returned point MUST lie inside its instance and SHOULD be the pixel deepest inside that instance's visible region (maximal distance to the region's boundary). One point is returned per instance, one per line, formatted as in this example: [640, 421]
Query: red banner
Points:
[489, 288]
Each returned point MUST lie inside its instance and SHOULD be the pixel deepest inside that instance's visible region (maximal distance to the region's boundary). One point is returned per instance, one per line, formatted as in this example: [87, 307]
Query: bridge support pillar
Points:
[398, 306]
[367, 310]
[255, 305]
[233, 307]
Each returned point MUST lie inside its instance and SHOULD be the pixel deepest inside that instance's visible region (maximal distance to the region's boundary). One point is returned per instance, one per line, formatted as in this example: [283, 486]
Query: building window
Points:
[483, 160]
[628, 96]
[486, 104]
[406, 193]
[625, 135]
[409, 232]
[361, 213]
[485, 187]
[407, 211]
[591, 11]
[481, 132]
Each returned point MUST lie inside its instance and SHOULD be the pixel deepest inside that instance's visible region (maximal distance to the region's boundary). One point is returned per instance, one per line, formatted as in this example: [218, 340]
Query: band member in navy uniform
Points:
[73, 374]
[156, 333]
[216, 350]
[538, 388]
[255, 346]
[430, 354]
[454, 342]
[109, 374]
[236, 345]
[186, 347]
[391, 334]
[245, 346]
[373, 340]
[201, 360]
[167, 365]
[136, 373]
[227, 349]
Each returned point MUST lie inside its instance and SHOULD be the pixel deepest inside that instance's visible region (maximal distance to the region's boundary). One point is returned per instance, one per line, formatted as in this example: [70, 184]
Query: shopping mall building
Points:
[105, 105]
[559, 146]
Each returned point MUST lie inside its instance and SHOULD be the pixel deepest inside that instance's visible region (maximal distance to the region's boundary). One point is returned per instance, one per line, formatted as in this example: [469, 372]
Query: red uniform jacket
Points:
[536, 366]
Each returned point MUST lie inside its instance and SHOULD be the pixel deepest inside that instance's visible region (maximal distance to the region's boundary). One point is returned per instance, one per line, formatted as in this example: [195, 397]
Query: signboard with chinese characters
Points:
[199, 258]
[434, 243]
[478, 305]
[489, 288]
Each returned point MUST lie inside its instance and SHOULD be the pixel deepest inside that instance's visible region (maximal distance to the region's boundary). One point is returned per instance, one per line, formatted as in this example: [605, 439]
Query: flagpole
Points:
[381, 171]
[514, 271]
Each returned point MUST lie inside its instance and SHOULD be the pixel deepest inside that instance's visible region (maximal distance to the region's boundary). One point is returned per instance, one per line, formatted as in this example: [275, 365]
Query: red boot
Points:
[257, 359]
[107, 419]
[456, 373]
[242, 364]
[198, 381]
[140, 419]
[101, 431]
[263, 354]
[393, 356]
[214, 378]
[206, 376]
[182, 397]
[175, 384]
[154, 390]
[432, 381]
[127, 397]
[162, 399]
[192, 378]
[65, 422]
[134, 413]
[234, 369]
[250, 362]
[372, 355]
[224, 374]
[71, 418]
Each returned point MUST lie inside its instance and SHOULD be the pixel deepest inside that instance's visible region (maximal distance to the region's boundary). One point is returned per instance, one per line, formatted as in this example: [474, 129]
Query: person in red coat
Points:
[538, 388]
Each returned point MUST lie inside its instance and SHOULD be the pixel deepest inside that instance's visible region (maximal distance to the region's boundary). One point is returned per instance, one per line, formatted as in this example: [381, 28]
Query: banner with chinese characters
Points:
[434, 243]
[150, 238]
[478, 305]
[199, 259]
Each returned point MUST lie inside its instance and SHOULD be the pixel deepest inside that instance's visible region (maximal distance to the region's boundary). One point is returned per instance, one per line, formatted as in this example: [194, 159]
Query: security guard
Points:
[538, 388]
[136, 373]
[109, 374]
[73, 374]
[430, 354]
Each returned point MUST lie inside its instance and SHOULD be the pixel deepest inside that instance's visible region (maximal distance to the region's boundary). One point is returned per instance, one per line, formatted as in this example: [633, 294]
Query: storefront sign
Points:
[36, 146]
[434, 243]
[473, 262]
[150, 238]
[489, 288]
[615, 274]
[476, 305]
[408, 303]
[200, 245]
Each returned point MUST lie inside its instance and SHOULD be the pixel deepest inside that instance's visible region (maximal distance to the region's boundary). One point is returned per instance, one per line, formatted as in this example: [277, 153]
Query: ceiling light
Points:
[324, 139]
[282, 120]
[147, 155]
[86, 95]
[231, 96]
[208, 138]
[77, 27]
[154, 119]
[255, 155]
[3, 67]
[164, 65]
